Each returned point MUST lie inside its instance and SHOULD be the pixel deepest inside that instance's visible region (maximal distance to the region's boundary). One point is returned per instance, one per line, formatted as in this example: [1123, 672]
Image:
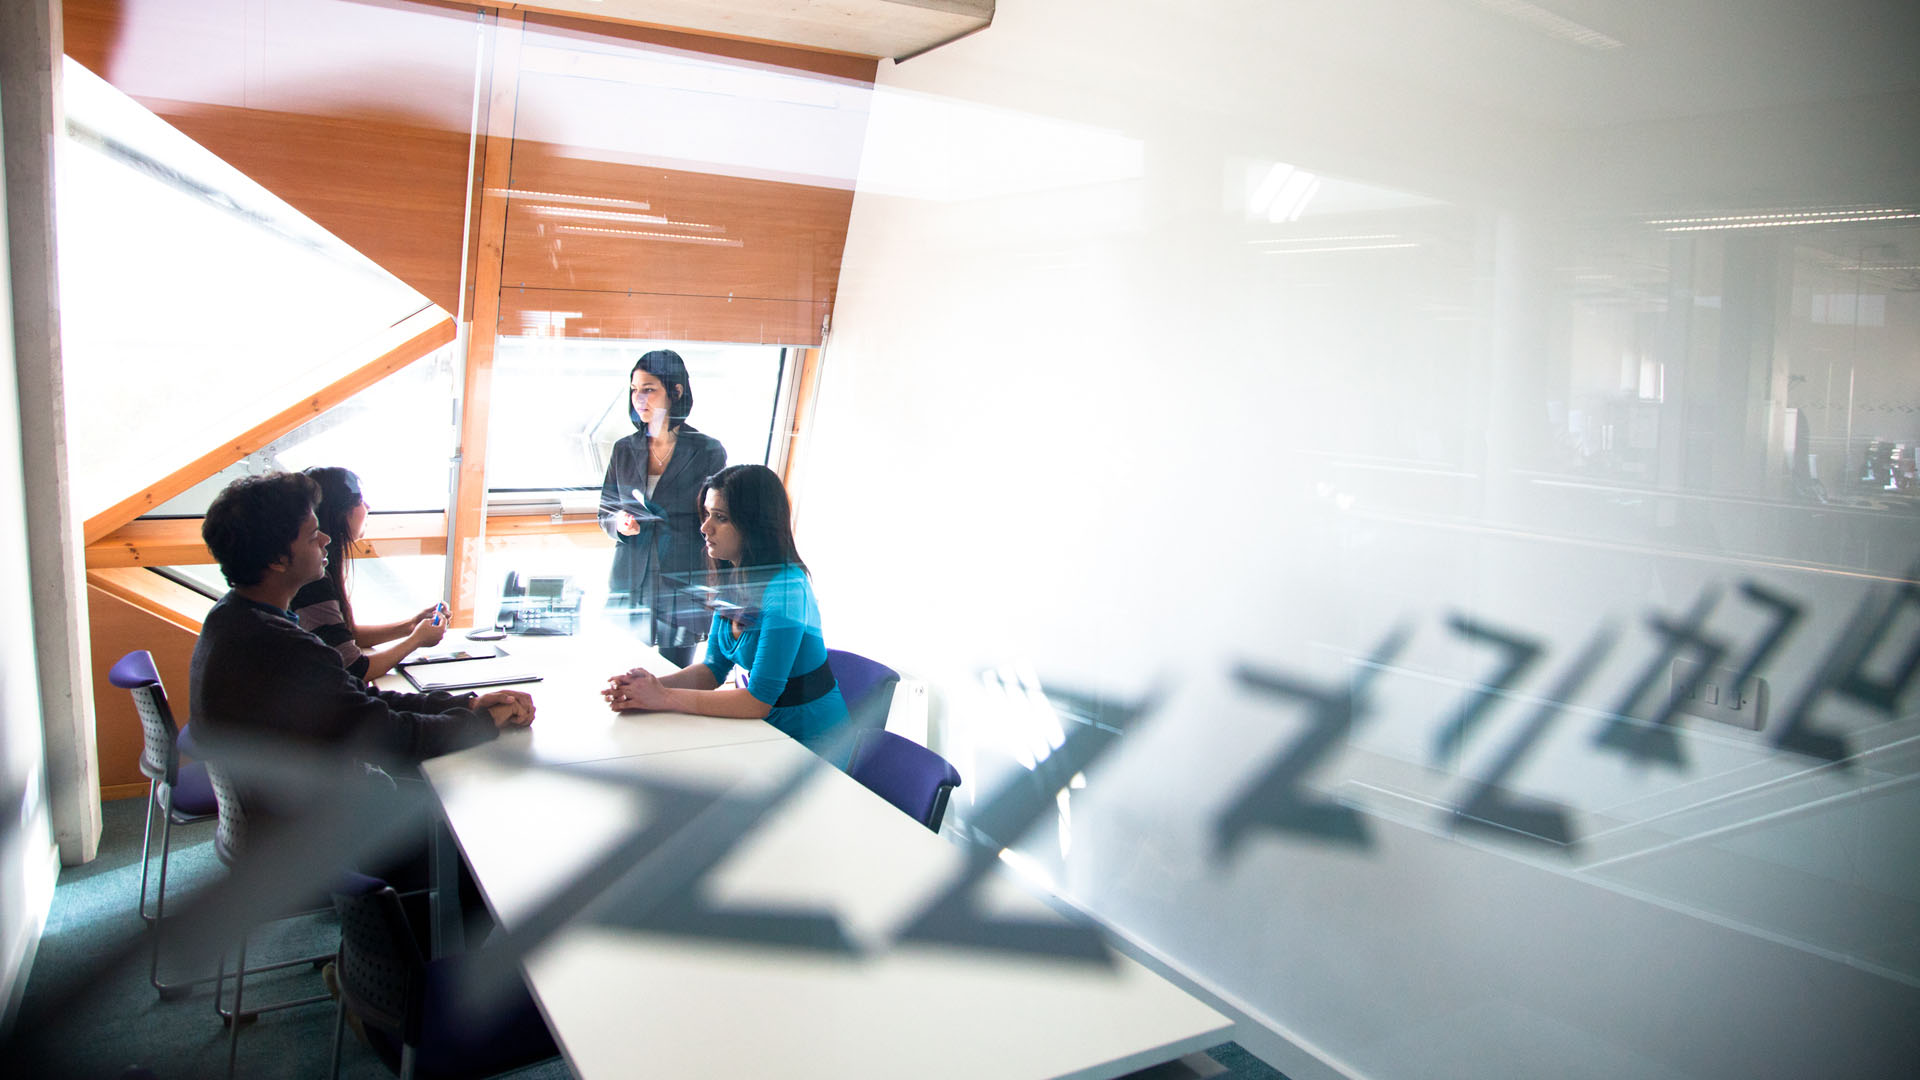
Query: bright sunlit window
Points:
[561, 403]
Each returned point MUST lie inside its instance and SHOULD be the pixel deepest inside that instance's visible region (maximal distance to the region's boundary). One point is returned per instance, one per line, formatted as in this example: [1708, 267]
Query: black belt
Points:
[804, 689]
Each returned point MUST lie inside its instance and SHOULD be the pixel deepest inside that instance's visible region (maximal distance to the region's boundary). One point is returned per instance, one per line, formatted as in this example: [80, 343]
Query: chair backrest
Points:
[904, 773]
[382, 974]
[159, 752]
[230, 832]
[867, 685]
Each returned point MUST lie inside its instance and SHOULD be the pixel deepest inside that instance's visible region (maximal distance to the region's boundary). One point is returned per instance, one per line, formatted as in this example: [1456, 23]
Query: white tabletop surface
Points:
[572, 722]
[626, 1003]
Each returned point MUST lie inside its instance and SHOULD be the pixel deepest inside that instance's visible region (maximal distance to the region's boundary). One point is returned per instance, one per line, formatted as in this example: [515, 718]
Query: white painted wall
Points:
[1087, 421]
[28, 860]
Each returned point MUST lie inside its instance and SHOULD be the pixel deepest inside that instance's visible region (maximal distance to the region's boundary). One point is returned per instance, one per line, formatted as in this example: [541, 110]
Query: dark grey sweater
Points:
[259, 680]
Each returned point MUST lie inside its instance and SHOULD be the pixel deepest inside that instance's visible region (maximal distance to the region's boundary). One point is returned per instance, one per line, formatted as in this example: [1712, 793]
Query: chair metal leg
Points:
[339, 1032]
[219, 985]
[169, 991]
[227, 1015]
[237, 1019]
[233, 1025]
[236, 1016]
[166, 849]
[146, 850]
[220, 982]
[406, 1062]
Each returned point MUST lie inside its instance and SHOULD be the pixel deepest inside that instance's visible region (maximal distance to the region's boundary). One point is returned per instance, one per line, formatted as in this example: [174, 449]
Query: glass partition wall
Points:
[707, 237]
[1460, 449]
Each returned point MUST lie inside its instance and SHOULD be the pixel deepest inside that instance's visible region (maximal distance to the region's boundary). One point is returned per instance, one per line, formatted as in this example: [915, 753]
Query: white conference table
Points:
[624, 1003]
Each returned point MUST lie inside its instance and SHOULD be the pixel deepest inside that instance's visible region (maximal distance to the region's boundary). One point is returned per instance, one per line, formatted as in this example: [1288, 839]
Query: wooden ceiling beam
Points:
[152, 542]
[868, 29]
[395, 348]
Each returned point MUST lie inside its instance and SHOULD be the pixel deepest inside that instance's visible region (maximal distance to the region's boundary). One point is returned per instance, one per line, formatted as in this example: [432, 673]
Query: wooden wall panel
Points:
[303, 98]
[735, 252]
[393, 191]
[838, 65]
[117, 628]
[356, 114]
[723, 236]
[661, 317]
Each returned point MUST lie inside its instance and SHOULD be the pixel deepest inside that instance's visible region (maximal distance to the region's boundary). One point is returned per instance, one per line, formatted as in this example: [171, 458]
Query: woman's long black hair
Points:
[757, 504]
[665, 365]
[339, 494]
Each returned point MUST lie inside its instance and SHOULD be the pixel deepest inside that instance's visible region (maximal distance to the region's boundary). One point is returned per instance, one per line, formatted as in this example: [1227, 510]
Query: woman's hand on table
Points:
[637, 689]
[509, 708]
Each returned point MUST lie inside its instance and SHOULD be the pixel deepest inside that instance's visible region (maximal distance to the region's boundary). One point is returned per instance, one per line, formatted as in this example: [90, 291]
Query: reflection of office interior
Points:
[1523, 383]
[1721, 380]
[539, 604]
[1743, 363]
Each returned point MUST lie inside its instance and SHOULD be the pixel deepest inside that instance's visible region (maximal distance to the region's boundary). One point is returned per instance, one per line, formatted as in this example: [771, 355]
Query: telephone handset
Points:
[538, 605]
[511, 592]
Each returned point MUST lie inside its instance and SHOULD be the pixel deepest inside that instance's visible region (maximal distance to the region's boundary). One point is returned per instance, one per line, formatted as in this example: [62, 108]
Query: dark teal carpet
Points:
[82, 1019]
[85, 1016]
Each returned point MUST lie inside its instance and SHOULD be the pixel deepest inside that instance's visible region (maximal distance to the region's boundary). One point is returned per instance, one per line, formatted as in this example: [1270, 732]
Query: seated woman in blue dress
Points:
[766, 622]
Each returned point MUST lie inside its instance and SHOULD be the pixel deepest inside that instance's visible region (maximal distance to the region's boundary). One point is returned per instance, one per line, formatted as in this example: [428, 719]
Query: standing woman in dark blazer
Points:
[647, 505]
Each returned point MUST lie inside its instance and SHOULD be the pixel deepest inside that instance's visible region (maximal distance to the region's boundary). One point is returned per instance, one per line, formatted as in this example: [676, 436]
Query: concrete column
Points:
[1750, 385]
[1523, 370]
[30, 51]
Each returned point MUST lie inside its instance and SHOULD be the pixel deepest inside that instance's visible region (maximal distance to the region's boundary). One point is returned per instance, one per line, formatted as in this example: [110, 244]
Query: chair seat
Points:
[458, 1043]
[193, 798]
[906, 774]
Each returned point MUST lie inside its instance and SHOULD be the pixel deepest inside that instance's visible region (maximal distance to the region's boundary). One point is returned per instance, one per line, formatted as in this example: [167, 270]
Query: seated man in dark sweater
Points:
[298, 729]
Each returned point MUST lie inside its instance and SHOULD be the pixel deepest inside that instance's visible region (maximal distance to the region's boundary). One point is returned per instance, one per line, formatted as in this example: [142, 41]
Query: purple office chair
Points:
[867, 686]
[182, 793]
[904, 773]
[413, 1009]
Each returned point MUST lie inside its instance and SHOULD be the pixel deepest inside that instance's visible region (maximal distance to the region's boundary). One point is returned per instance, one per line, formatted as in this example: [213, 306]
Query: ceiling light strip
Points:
[1350, 247]
[1778, 224]
[644, 235]
[1785, 216]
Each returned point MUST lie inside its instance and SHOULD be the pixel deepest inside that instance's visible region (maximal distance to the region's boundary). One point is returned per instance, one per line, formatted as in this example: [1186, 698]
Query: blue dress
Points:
[781, 639]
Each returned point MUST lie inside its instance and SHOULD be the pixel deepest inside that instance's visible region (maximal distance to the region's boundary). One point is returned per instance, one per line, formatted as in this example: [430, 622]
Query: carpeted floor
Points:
[86, 1014]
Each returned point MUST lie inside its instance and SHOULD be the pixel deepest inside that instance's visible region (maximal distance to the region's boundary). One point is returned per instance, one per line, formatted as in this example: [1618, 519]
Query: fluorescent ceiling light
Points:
[1784, 217]
[640, 234]
[563, 197]
[1342, 247]
[615, 215]
[1326, 239]
[1283, 193]
[1774, 221]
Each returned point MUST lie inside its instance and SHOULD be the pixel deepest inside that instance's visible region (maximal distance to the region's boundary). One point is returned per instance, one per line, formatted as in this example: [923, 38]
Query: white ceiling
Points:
[1593, 63]
[878, 28]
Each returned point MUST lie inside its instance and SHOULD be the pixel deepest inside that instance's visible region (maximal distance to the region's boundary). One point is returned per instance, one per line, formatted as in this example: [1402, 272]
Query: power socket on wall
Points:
[1717, 698]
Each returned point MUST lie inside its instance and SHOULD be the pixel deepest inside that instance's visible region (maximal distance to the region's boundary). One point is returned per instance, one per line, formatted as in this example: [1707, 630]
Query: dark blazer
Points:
[668, 544]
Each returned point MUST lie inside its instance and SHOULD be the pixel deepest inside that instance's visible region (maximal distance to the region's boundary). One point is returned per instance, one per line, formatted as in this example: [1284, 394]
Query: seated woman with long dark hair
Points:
[766, 621]
[323, 607]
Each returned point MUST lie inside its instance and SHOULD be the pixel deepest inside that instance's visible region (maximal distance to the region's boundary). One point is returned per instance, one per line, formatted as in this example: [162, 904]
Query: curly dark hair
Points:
[254, 521]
